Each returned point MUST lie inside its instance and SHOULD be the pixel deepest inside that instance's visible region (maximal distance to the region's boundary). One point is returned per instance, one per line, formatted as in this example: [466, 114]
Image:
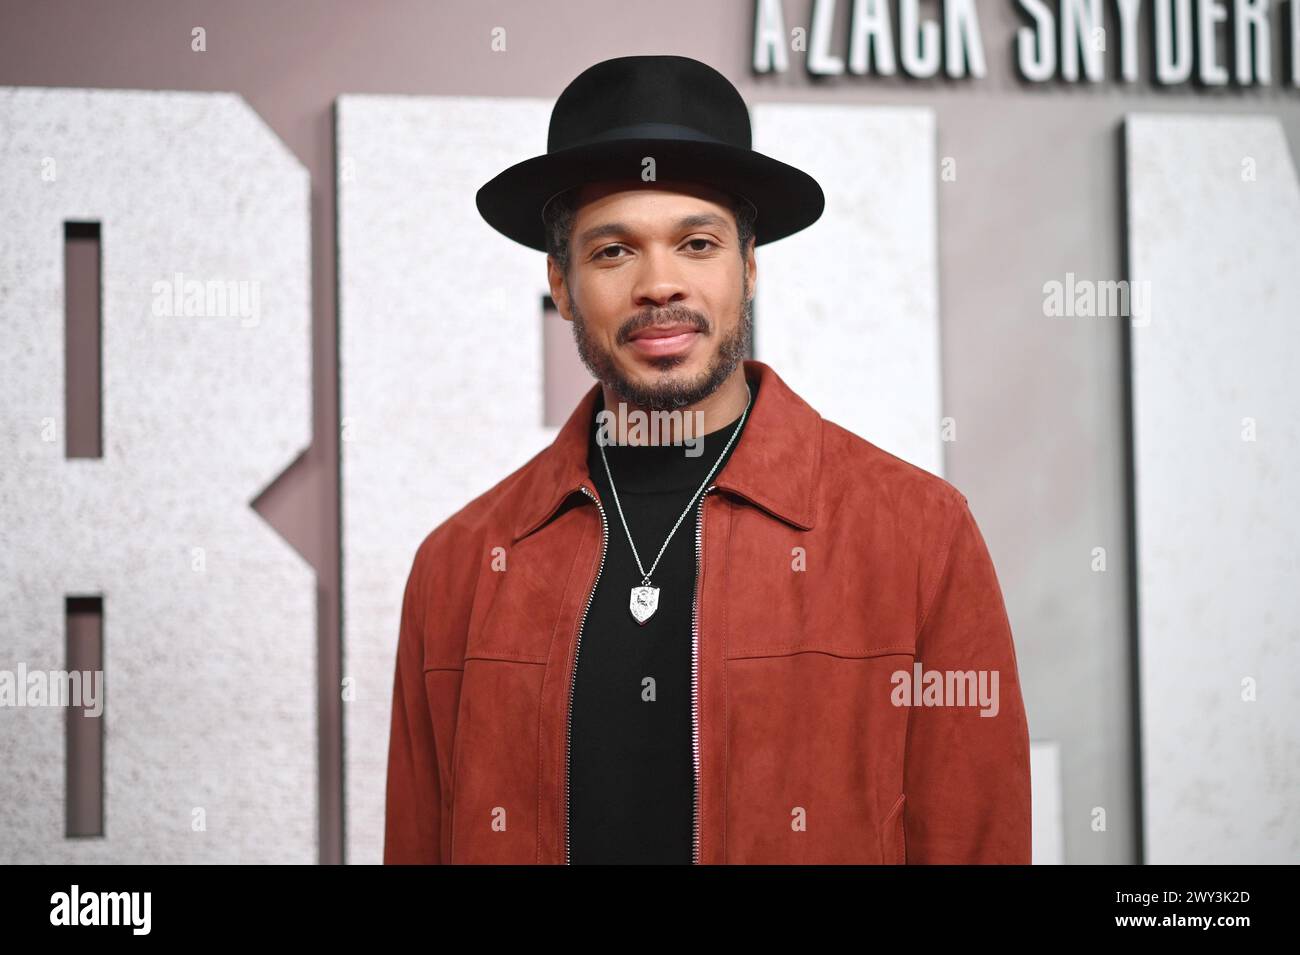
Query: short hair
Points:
[562, 210]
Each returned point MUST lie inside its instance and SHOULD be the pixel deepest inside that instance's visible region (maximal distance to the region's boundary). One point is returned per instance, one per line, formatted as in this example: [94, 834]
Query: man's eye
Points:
[707, 242]
[601, 254]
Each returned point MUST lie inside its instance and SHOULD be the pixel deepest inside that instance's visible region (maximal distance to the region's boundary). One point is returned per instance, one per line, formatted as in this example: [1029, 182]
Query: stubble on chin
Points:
[668, 391]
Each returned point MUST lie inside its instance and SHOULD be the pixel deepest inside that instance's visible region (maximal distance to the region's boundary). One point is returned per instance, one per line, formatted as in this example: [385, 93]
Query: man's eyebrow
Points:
[698, 221]
[600, 231]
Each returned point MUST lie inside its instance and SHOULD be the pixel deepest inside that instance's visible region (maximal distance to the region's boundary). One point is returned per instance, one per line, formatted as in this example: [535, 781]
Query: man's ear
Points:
[751, 267]
[559, 288]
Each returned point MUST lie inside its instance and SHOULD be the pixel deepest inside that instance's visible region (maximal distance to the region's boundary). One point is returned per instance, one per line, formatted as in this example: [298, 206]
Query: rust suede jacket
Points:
[833, 580]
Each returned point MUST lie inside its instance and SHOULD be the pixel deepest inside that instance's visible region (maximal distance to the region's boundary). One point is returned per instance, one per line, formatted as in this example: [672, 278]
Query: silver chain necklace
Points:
[645, 599]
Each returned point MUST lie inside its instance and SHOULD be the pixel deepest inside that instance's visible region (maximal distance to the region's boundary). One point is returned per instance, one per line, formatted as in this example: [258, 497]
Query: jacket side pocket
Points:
[893, 837]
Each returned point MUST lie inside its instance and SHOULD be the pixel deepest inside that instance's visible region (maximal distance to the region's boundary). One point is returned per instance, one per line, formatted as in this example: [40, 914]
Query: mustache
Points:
[673, 315]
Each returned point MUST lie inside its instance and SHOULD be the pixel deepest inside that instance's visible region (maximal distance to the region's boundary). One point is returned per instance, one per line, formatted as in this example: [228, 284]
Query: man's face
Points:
[660, 298]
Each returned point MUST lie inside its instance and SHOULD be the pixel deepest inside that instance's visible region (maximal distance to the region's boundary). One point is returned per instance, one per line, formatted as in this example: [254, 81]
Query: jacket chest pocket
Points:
[525, 605]
[814, 757]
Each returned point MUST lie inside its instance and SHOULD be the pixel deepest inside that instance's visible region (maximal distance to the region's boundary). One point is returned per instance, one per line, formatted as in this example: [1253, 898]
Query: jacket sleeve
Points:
[966, 775]
[413, 812]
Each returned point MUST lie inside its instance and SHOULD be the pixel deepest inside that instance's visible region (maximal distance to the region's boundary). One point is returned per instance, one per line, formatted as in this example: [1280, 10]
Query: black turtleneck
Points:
[632, 784]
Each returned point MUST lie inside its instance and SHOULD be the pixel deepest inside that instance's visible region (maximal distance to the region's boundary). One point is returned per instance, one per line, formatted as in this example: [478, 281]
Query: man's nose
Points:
[659, 280]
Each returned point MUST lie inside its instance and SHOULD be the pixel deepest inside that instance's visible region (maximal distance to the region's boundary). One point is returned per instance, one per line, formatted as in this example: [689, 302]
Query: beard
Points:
[667, 392]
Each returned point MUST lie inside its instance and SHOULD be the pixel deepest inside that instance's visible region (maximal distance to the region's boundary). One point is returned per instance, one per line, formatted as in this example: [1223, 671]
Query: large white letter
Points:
[769, 38]
[209, 663]
[821, 61]
[1251, 39]
[1080, 20]
[1129, 11]
[918, 42]
[1036, 45]
[962, 40]
[1216, 452]
[1209, 14]
[1173, 56]
[870, 27]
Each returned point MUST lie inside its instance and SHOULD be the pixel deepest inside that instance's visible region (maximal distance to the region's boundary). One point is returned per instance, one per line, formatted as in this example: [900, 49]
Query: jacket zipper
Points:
[695, 683]
[573, 677]
[695, 673]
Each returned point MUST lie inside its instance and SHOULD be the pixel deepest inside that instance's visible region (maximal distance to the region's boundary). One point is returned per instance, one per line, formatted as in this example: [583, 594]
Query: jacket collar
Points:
[775, 465]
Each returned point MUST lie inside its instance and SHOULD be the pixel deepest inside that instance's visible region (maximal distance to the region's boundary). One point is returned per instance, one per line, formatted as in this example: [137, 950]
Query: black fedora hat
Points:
[681, 113]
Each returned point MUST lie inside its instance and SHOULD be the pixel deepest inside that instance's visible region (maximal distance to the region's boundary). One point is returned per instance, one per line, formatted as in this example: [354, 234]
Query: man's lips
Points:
[666, 340]
[663, 331]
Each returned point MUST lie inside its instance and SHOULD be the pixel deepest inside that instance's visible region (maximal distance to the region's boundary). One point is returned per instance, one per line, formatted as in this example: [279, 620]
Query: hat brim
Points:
[787, 198]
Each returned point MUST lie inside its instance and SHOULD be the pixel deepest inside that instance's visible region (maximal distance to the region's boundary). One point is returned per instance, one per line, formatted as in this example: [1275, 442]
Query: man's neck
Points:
[717, 411]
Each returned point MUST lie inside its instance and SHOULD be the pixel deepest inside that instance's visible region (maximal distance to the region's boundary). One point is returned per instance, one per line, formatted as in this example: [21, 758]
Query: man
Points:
[749, 637]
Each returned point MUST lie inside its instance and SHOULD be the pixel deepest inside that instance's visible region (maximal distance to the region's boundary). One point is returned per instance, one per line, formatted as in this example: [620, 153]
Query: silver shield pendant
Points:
[645, 601]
